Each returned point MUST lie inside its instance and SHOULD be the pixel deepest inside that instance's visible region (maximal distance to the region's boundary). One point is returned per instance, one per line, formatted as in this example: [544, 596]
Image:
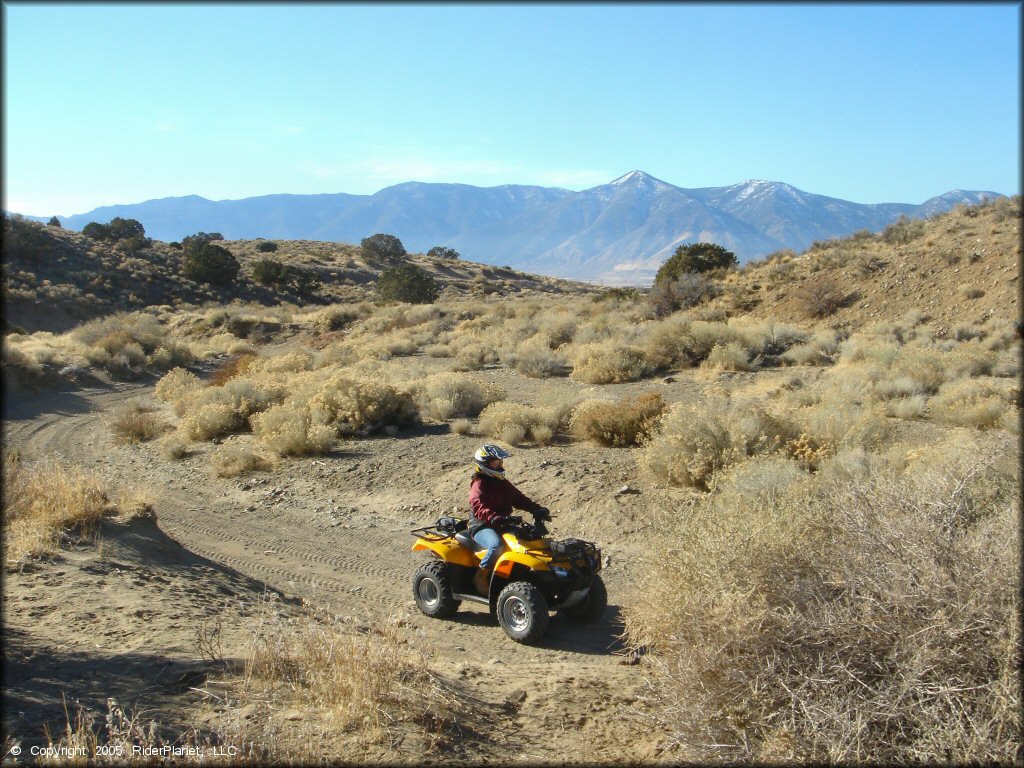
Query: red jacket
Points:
[492, 500]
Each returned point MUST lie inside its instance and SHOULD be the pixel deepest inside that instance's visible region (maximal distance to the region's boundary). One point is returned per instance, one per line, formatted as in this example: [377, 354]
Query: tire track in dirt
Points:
[557, 700]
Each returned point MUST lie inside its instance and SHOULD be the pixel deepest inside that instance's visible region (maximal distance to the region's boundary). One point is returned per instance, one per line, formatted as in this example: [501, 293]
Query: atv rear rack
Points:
[444, 528]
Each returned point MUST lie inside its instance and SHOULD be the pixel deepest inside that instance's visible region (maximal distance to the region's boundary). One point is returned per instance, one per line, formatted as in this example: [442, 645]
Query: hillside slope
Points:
[56, 278]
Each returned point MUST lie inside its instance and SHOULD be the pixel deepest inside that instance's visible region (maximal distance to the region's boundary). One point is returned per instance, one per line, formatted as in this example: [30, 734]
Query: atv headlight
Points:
[559, 571]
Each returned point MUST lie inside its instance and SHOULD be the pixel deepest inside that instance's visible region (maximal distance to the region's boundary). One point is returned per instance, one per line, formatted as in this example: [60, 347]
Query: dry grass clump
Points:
[357, 690]
[607, 362]
[236, 365]
[867, 619]
[820, 296]
[977, 403]
[695, 442]
[176, 386]
[216, 411]
[338, 316]
[515, 423]
[290, 429]
[136, 423]
[832, 424]
[447, 395]
[537, 358]
[42, 500]
[474, 355]
[288, 362]
[125, 344]
[691, 445]
[727, 357]
[322, 405]
[624, 423]
[821, 349]
[234, 458]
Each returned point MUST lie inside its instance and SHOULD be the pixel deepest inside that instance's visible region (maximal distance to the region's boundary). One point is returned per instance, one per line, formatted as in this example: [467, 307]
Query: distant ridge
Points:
[619, 232]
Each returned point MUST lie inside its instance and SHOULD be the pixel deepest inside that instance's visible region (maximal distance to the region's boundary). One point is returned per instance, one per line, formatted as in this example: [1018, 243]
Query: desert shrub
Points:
[515, 423]
[606, 362]
[355, 406]
[290, 429]
[894, 388]
[338, 316]
[696, 257]
[909, 408]
[864, 620]
[42, 500]
[197, 241]
[387, 248]
[902, 231]
[833, 424]
[443, 252]
[922, 365]
[447, 395]
[135, 423]
[18, 367]
[174, 447]
[177, 385]
[667, 343]
[234, 366]
[210, 264]
[822, 349]
[970, 291]
[170, 355]
[284, 276]
[862, 348]
[233, 459]
[289, 362]
[754, 430]
[970, 359]
[690, 446]
[727, 357]
[24, 239]
[267, 246]
[627, 422]
[407, 283]
[356, 688]
[474, 355]
[687, 290]
[536, 358]
[820, 296]
[216, 411]
[974, 403]
[462, 427]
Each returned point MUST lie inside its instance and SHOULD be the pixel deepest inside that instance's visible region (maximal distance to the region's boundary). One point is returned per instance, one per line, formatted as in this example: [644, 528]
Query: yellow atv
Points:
[533, 576]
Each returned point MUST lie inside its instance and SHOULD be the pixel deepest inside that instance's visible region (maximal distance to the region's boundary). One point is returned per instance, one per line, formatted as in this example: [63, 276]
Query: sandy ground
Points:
[121, 619]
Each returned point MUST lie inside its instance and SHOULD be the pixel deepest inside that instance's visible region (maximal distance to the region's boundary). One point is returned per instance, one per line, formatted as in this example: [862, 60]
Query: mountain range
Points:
[615, 233]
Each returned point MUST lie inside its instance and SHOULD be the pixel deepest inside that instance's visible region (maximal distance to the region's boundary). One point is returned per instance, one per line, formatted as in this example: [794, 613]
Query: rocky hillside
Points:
[56, 278]
[955, 268]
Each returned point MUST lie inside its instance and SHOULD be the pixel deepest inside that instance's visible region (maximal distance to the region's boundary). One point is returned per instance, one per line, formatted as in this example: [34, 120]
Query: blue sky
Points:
[872, 103]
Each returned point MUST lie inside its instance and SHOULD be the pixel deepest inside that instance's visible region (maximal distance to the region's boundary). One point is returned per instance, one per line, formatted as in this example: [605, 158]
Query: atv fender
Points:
[509, 560]
[448, 550]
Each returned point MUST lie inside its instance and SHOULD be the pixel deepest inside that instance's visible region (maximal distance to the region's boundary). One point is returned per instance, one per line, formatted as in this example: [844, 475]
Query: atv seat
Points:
[467, 541]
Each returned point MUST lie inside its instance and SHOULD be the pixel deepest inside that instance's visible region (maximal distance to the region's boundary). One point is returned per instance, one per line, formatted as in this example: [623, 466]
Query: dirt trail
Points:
[334, 531]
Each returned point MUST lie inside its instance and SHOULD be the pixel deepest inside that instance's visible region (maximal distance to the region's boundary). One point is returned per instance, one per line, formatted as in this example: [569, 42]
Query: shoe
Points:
[482, 581]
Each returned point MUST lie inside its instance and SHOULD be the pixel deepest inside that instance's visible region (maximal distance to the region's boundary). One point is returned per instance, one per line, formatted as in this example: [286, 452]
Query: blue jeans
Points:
[492, 542]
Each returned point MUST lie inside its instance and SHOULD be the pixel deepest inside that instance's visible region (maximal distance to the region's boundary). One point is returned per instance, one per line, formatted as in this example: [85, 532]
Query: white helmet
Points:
[485, 454]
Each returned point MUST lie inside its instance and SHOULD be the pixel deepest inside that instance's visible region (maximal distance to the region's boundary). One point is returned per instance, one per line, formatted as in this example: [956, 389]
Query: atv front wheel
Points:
[432, 590]
[590, 609]
[522, 612]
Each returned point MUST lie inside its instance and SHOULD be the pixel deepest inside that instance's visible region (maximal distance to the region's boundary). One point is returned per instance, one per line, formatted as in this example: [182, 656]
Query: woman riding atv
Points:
[492, 498]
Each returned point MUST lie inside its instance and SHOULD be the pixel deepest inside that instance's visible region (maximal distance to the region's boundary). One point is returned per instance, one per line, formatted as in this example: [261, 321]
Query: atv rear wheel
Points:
[590, 609]
[432, 590]
[522, 612]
